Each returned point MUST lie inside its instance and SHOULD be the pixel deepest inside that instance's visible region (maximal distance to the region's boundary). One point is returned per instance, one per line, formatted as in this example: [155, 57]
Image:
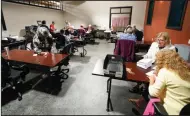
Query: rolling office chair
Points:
[160, 110]
[12, 77]
[61, 70]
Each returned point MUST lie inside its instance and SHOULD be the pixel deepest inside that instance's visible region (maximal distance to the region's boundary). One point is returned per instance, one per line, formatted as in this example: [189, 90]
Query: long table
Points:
[27, 57]
[139, 76]
[43, 63]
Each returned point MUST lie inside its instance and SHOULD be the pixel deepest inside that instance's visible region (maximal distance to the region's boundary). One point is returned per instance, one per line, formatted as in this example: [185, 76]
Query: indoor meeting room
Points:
[95, 57]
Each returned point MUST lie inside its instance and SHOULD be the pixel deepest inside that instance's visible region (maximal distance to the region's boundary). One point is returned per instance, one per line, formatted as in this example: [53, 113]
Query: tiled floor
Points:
[82, 93]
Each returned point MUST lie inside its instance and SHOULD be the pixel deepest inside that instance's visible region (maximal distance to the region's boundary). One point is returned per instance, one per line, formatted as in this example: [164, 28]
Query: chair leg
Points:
[63, 75]
[63, 70]
[18, 93]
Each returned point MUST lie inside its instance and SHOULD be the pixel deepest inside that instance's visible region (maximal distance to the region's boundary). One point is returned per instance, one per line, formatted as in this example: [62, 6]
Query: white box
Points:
[144, 63]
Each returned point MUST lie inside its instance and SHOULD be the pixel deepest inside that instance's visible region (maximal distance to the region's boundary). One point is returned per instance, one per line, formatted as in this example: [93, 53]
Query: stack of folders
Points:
[144, 63]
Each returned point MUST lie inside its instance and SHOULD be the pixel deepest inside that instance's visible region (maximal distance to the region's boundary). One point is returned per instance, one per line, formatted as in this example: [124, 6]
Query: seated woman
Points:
[171, 82]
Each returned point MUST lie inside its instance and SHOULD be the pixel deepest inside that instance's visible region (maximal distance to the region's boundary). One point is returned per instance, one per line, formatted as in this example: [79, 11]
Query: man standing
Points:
[52, 27]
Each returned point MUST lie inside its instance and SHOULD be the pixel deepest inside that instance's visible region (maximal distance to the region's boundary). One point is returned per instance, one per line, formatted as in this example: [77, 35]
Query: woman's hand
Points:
[152, 79]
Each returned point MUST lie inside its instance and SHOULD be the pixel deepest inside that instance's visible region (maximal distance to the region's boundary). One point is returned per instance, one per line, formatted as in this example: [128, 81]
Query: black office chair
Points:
[62, 71]
[176, 49]
[185, 110]
[12, 77]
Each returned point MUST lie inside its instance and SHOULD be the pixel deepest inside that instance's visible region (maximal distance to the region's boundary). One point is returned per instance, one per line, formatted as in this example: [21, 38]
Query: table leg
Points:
[109, 103]
[108, 85]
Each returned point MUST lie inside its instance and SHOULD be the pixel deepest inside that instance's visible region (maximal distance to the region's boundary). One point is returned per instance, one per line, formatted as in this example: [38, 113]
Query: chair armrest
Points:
[160, 108]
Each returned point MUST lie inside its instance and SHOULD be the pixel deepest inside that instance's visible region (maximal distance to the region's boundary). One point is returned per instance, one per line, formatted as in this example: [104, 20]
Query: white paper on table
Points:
[150, 73]
[34, 54]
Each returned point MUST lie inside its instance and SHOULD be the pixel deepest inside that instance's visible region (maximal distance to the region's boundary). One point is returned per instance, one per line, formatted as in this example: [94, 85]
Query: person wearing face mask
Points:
[162, 42]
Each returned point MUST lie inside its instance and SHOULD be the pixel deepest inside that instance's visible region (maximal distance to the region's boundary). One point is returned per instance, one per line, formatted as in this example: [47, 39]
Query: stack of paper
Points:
[144, 63]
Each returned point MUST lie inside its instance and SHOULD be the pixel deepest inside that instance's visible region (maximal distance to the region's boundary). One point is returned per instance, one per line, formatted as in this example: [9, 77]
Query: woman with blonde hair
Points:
[162, 42]
[171, 82]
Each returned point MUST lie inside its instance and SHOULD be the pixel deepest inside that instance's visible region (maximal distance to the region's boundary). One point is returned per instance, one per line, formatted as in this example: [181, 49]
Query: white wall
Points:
[18, 16]
[97, 12]
[77, 12]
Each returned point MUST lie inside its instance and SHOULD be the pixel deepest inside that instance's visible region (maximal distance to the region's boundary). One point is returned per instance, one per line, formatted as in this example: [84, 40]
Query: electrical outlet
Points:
[189, 41]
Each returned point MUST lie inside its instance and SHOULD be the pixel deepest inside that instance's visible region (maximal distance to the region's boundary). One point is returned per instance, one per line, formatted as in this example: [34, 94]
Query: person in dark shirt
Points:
[139, 34]
[60, 42]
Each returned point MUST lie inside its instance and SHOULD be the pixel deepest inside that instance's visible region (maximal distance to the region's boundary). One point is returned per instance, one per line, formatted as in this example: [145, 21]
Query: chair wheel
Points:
[19, 98]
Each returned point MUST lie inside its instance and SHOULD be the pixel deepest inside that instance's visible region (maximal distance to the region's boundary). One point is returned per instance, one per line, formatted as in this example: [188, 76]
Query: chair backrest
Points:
[184, 51]
[185, 110]
[126, 49]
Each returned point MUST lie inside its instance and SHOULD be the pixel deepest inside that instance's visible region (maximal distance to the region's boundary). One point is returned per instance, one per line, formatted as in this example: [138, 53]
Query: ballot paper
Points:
[144, 63]
[150, 73]
[35, 54]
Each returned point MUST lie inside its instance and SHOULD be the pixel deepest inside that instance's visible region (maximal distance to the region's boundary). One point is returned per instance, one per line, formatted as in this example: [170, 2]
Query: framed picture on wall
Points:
[176, 14]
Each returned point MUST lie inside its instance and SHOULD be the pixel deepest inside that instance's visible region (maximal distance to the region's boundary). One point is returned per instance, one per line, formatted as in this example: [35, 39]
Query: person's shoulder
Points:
[172, 47]
[165, 71]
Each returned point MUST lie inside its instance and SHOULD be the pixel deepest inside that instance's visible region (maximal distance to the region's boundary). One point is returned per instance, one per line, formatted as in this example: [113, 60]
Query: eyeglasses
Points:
[160, 40]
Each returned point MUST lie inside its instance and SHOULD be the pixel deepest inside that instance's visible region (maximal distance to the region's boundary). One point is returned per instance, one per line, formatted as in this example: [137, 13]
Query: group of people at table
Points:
[170, 81]
[45, 36]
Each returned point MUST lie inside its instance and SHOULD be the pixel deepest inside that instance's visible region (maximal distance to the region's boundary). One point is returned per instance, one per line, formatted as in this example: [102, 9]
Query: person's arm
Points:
[157, 85]
[36, 42]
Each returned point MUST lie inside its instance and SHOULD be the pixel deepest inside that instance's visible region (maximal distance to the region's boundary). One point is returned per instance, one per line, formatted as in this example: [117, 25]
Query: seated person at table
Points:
[128, 35]
[125, 30]
[81, 31]
[137, 33]
[67, 31]
[72, 32]
[163, 42]
[171, 82]
[89, 29]
[60, 41]
[44, 25]
[42, 40]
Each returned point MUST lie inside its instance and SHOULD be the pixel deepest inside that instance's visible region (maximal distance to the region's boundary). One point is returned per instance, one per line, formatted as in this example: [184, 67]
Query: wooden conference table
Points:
[138, 76]
[44, 63]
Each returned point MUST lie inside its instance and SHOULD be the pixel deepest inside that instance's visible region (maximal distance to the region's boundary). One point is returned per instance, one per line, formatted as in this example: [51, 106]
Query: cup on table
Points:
[6, 50]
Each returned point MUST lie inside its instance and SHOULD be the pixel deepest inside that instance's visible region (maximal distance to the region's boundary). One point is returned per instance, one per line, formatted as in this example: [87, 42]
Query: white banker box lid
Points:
[144, 63]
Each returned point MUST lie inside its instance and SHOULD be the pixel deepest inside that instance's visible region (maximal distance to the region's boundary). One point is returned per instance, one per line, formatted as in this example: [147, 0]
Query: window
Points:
[150, 12]
[176, 14]
[120, 17]
[40, 3]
